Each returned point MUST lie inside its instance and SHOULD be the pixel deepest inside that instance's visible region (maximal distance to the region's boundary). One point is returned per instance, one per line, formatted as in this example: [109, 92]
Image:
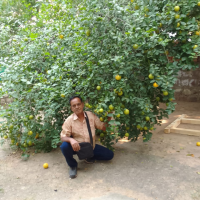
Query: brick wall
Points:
[187, 87]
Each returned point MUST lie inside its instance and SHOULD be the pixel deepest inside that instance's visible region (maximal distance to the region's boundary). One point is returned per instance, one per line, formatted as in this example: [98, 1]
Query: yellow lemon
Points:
[45, 165]
[155, 85]
[118, 77]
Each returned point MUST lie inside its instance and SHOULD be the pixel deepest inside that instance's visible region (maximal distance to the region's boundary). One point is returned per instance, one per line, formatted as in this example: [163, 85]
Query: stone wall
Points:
[187, 87]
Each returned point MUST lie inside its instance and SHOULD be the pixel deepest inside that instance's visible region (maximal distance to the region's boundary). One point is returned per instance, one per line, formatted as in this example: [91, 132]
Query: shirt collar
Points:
[76, 117]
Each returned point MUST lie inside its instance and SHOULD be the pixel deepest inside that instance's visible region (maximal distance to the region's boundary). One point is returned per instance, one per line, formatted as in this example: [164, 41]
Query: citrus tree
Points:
[122, 57]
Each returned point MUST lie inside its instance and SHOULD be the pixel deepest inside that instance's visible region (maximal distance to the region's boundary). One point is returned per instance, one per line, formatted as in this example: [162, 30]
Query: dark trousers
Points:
[100, 153]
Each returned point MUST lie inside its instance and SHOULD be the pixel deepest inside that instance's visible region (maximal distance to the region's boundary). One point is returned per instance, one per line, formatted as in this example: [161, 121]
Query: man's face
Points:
[77, 106]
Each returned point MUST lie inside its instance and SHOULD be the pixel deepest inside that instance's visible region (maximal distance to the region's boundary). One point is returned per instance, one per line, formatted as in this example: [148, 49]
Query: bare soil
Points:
[165, 168]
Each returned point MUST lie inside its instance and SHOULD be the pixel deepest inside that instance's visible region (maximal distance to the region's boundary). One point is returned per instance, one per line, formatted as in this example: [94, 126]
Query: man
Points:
[75, 131]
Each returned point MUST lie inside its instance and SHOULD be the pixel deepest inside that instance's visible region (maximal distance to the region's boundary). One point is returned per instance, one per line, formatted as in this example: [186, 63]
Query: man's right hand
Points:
[75, 145]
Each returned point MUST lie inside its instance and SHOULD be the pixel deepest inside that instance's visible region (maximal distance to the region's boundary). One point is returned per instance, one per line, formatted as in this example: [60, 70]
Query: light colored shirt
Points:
[78, 130]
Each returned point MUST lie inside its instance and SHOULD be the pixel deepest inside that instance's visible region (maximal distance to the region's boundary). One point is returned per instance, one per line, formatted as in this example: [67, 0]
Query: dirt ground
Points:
[160, 169]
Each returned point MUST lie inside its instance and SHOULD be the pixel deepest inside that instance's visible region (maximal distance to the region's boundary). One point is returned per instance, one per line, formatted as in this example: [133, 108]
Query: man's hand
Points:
[106, 124]
[75, 145]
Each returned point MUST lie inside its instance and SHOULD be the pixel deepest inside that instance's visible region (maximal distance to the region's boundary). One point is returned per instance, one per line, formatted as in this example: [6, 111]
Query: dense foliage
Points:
[120, 56]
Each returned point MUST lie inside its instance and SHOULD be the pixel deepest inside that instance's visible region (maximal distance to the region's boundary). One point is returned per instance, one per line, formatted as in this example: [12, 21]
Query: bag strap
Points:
[89, 130]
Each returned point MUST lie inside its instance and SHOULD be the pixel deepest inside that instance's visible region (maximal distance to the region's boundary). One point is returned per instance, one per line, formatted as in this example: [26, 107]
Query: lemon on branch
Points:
[101, 119]
[101, 110]
[126, 111]
[165, 93]
[31, 117]
[151, 76]
[118, 115]
[177, 16]
[127, 134]
[111, 107]
[135, 46]
[30, 132]
[195, 46]
[147, 118]
[61, 36]
[98, 87]
[155, 85]
[87, 32]
[176, 8]
[120, 93]
[118, 77]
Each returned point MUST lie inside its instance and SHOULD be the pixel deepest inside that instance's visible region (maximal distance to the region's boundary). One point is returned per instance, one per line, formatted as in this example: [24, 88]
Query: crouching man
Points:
[75, 131]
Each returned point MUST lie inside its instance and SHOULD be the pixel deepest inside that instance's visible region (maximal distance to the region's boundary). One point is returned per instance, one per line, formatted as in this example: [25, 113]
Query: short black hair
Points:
[73, 97]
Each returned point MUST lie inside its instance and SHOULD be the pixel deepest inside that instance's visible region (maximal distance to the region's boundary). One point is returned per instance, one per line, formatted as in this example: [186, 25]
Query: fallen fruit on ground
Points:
[45, 165]
[198, 143]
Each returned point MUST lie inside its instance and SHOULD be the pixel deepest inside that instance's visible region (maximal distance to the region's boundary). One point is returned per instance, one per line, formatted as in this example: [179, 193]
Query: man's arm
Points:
[100, 125]
[105, 125]
[66, 133]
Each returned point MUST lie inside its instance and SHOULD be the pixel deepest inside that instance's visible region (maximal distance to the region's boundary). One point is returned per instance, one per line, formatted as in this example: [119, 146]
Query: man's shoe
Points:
[72, 172]
[89, 160]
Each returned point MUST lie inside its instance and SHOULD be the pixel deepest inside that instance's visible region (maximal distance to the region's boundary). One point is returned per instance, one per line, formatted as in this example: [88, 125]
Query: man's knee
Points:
[65, 146]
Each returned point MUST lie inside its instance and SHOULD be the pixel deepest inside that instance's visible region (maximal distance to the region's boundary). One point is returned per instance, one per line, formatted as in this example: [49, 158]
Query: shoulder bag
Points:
[86, 148]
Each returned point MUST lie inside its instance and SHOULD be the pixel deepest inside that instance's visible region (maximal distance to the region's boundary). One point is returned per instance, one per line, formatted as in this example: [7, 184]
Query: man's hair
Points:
[73, 97]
